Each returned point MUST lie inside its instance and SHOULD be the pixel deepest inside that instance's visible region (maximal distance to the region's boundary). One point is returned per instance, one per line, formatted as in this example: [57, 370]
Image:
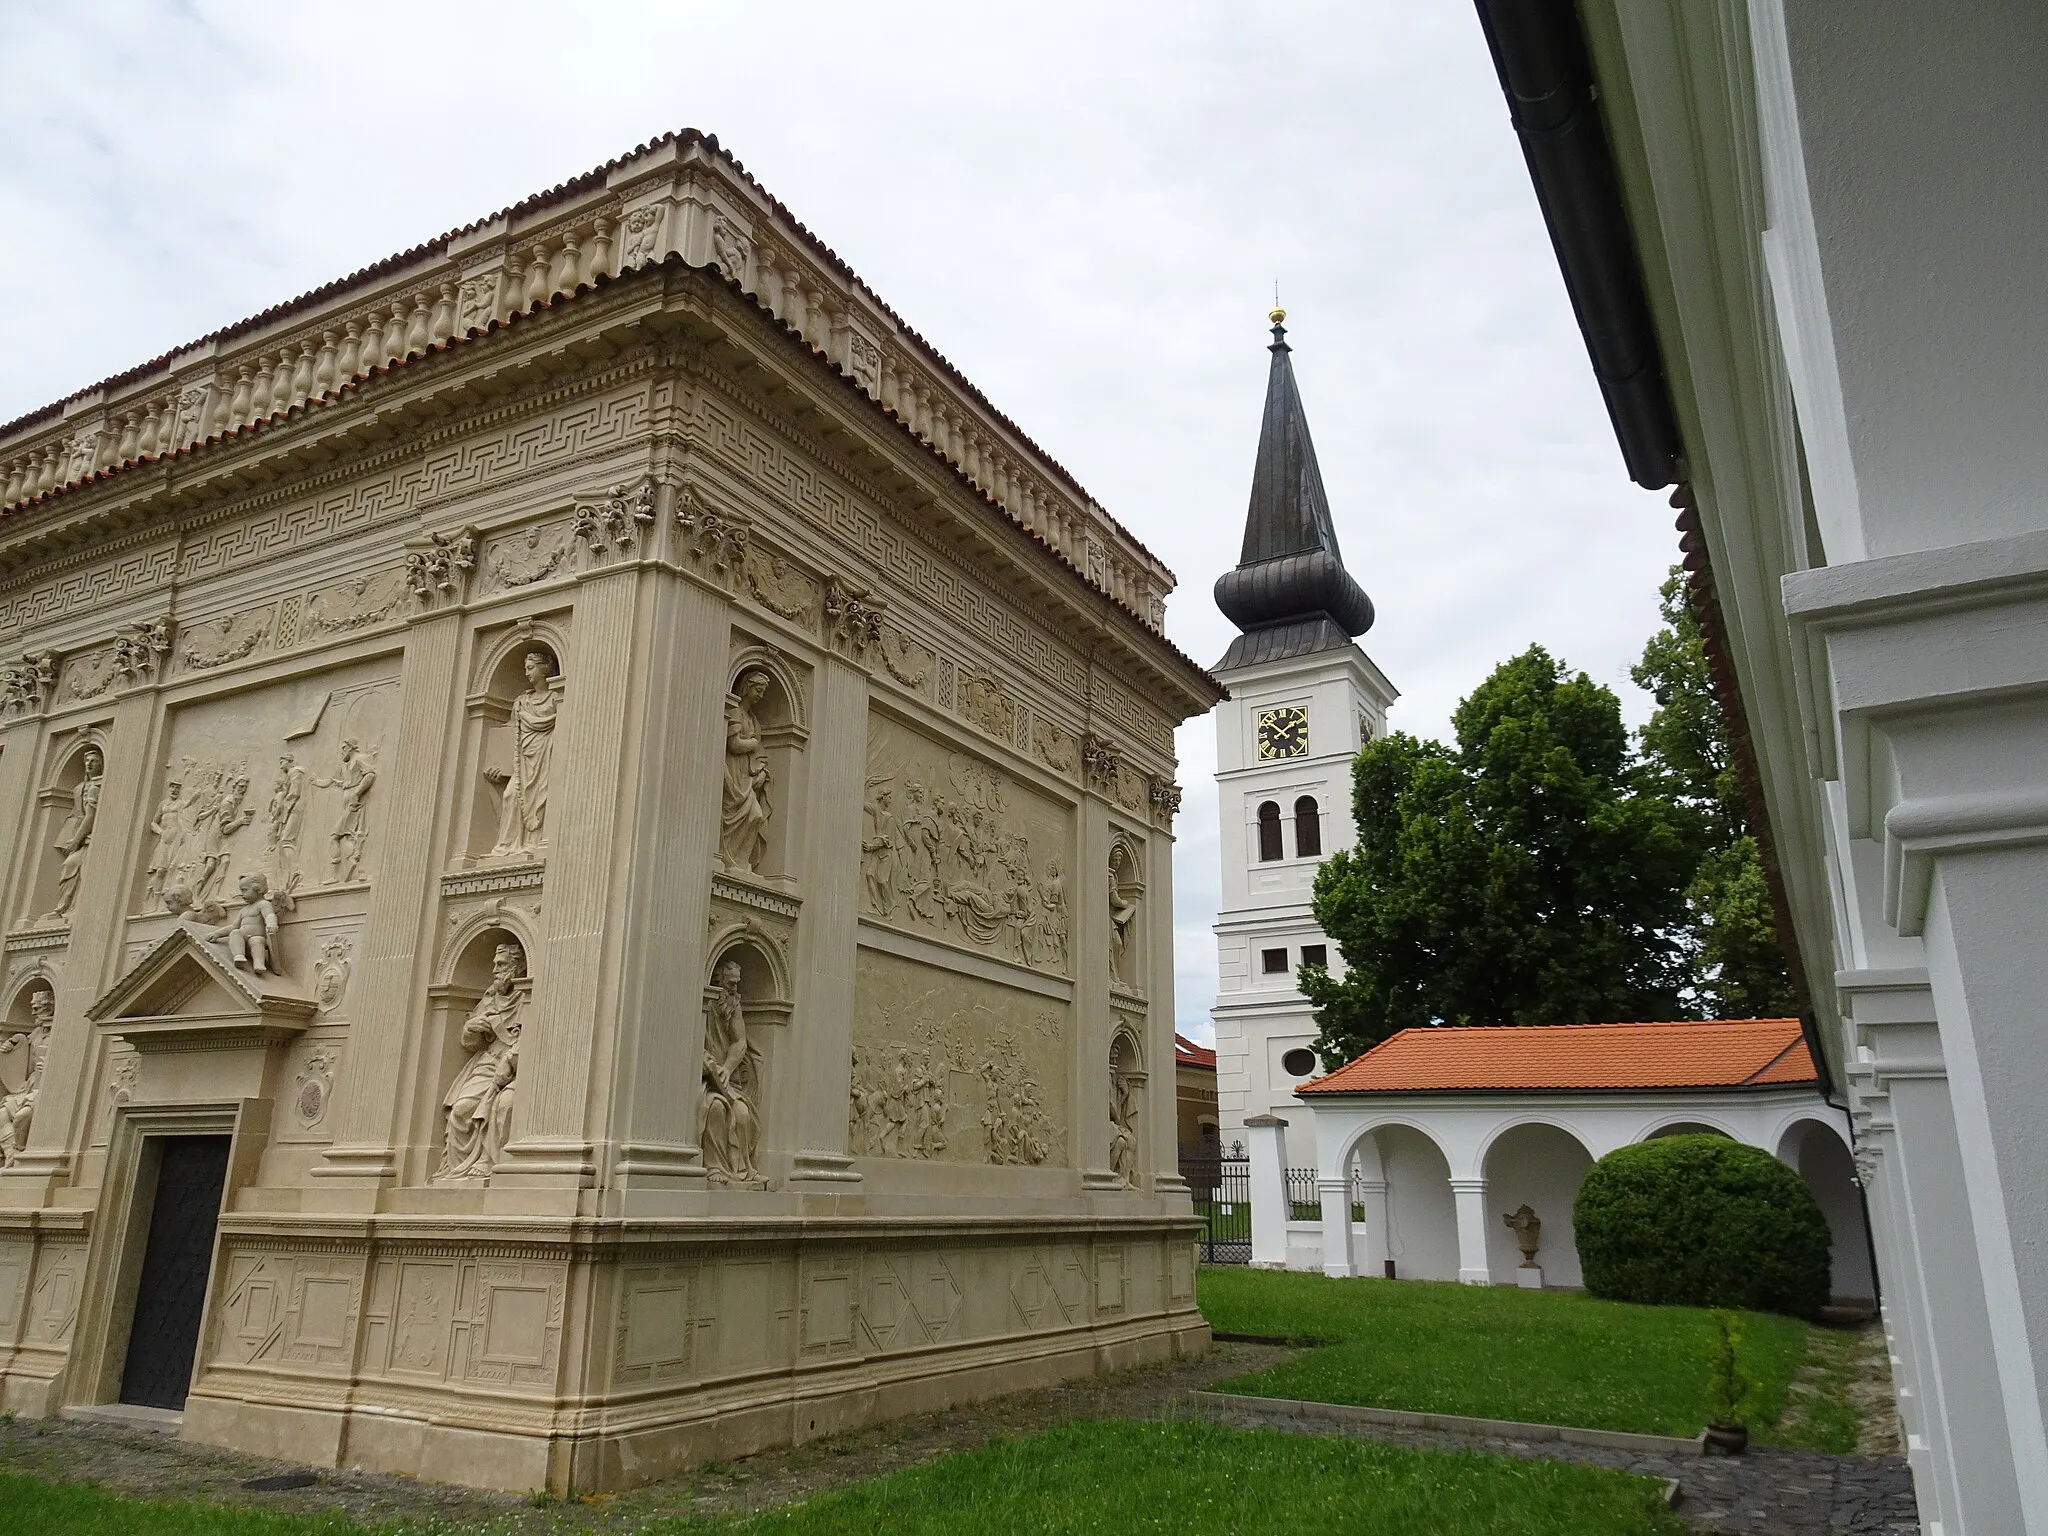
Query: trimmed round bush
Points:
[1701, 1221]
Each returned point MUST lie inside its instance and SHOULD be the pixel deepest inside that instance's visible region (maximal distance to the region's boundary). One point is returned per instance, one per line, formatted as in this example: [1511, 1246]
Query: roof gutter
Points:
[1546, 72]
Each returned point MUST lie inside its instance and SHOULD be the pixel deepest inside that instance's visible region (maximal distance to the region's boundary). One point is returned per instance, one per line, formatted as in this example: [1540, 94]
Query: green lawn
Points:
[1191, 1479]
[1542, 1357]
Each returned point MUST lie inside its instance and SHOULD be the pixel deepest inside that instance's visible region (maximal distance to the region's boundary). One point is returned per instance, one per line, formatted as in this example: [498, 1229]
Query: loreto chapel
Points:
[586, 848]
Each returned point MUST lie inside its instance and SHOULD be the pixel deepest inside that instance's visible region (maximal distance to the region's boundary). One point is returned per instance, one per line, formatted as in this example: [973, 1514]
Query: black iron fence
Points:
[1222, 1191]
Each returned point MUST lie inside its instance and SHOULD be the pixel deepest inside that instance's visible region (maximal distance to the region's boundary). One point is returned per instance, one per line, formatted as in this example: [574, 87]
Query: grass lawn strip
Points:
[1117, 1476]
[1492, 1352]
[1820, 1414]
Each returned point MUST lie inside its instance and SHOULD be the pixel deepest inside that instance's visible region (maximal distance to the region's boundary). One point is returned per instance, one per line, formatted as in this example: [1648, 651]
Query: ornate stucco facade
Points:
[641, 806]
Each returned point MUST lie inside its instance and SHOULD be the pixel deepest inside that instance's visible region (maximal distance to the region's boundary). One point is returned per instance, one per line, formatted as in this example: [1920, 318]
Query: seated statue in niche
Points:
[743, 824]
[1123, 1126]
[729, 1118]
[523, 788]
[479, 1101]
[74, 838]
[18, 1109]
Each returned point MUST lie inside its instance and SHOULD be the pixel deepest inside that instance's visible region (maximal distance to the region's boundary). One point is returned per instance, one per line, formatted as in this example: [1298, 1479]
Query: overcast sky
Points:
[1085, 207]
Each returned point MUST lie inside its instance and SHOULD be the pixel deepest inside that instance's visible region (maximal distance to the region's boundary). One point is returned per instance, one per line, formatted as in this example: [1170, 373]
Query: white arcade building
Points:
[1303, 699]
[1429, 1141]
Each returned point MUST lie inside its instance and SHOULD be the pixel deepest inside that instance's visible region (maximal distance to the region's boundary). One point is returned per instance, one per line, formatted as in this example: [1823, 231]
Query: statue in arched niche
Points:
[1123, 913]
[1123, 1118]
[479, 1101]
[523, 788]
[18, 1109]
[729, 1118]
[745, 811]
[74, 838]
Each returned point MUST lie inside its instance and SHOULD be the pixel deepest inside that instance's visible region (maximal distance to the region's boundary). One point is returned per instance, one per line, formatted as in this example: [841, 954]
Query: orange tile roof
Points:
[1718, 1053]
[1189, 1054]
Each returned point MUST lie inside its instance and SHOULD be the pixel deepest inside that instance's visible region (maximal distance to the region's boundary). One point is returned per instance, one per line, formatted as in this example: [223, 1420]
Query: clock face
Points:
[1283, 732]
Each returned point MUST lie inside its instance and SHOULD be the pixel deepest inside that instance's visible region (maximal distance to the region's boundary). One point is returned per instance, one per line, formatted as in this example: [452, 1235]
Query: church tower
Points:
[1303, 700]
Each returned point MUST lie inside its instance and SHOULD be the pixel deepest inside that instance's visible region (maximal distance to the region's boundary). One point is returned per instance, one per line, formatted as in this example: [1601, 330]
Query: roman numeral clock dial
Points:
[1283, 733]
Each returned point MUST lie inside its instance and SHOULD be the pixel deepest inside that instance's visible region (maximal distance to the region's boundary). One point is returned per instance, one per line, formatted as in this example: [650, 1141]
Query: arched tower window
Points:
[1269, 833]
[1308, 828]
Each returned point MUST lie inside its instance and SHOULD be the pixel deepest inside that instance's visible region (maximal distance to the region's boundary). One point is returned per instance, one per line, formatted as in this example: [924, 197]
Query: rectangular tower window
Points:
[1315, 954]
[1273, 961]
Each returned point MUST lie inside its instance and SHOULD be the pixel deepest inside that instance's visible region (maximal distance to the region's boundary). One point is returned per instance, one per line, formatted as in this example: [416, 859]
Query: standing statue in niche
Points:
[729, 1119]
[479, 1101]
[74, 838]
[1123, 1125]
[18, 1109]
[743, 829]
[1123, 912]
[354, 779]
[523, 789]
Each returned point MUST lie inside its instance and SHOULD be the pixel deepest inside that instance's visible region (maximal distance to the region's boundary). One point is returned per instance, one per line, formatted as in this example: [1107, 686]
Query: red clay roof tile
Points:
[1718, 1053]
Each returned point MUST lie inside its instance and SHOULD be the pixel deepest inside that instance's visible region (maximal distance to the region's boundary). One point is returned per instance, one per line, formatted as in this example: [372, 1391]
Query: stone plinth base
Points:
[586, 1356]
[1529, 1277]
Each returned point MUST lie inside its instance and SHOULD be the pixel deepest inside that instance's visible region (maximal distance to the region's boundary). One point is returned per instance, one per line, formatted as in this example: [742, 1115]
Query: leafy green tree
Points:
[1542, 871]
[1731, 937]
[1524, 878]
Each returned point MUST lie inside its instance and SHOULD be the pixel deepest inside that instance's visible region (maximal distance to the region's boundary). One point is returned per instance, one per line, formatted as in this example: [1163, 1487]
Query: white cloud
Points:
[1084, 206]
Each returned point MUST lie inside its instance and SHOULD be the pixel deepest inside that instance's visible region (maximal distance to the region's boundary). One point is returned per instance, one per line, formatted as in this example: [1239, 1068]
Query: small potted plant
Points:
[1728, 1387]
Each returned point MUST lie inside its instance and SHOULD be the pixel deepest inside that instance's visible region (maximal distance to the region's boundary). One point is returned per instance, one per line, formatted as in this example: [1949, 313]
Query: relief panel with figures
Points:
[952, 1068]
[955, 848]
[278, 782]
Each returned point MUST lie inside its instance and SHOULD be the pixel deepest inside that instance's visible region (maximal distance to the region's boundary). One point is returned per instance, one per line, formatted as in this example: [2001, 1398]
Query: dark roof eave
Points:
[1546, 73]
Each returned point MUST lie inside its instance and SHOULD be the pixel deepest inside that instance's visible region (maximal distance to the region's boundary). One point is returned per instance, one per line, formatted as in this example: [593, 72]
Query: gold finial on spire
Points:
[1276, 314]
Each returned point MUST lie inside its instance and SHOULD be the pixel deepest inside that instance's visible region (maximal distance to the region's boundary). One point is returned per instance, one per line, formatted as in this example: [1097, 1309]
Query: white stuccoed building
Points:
[1804, 243]
[1303, 699]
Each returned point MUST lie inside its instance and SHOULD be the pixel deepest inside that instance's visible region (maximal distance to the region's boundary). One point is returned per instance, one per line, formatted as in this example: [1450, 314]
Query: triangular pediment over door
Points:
[185, 994]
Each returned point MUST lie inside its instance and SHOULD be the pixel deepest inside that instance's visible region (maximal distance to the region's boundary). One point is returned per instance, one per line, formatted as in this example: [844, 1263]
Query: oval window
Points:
[1299, 1062]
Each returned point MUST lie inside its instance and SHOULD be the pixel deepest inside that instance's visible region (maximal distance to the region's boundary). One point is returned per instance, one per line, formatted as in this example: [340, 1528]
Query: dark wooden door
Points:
[171, 1293]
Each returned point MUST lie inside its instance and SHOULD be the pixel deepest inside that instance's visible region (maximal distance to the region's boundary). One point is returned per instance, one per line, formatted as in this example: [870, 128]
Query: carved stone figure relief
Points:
[87, 675]
[355, 778]
[729, 1110]
[523, 558]
[283, 818]
[358, 602]
[908, 662]
[730, 249]
[953, 852]
[74, 837]
[953, 1067]
[1057, 747]
[746, 807]
[983, 703]
[251, 931]
[523, 786]
[639, 237]
[229, 638]
[779, 586]
[479, 1102]
[18, 1106]
[1126, 891]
